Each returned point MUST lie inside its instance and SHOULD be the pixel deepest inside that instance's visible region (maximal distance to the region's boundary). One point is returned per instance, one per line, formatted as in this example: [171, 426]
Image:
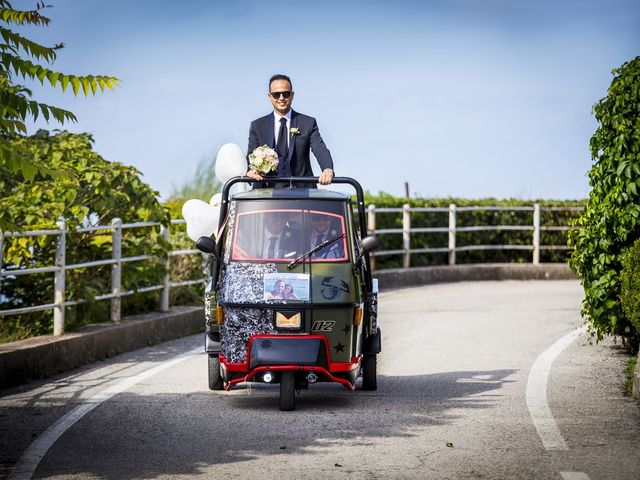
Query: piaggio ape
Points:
[291, 301]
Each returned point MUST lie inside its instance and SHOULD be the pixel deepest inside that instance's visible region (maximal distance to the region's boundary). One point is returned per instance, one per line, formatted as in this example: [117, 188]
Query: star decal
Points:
[339, 347]
[346, 329]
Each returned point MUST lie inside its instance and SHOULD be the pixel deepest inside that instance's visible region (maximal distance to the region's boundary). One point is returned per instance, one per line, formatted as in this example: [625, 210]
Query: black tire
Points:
[215, 378]
[369, 374]
[287, 391]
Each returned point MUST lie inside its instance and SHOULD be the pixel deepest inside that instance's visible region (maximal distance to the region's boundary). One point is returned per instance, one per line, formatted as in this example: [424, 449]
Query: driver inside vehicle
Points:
[322, 230]
[277, 240]
[265, 235]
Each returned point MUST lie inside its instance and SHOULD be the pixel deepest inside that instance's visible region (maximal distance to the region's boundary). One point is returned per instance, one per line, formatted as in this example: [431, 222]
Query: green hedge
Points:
[391, 241]
[611, 220]
[630, 285]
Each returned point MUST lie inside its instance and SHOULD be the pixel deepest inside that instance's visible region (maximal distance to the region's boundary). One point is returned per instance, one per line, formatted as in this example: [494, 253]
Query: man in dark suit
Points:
[291, 134]
[277, 240]
[322, 230]
[273, 241]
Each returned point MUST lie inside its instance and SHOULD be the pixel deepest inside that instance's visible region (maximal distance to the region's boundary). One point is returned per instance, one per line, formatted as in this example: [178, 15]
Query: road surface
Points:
[476, 380]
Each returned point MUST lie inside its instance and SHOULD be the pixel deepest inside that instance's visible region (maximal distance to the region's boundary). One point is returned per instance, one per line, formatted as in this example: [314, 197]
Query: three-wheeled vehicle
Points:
[292, 300]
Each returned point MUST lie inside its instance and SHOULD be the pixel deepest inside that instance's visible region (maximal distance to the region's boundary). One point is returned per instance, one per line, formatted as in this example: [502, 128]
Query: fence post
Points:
[116, 270]
[371, 230]
[164, 297]
[406, 234]
[59, 278]
[452, 234]
[536, 233]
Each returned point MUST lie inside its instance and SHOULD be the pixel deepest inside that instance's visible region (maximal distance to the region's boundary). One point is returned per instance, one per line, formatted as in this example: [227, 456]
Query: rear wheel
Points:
[215, 379]
[287, 391]
[369, 374]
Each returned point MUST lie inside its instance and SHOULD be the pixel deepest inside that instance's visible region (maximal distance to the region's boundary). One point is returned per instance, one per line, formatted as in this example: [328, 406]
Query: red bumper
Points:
[331, 370]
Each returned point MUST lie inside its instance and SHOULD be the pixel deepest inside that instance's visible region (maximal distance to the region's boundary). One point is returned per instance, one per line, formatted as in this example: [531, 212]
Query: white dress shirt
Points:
[276, 118]
[267, 242]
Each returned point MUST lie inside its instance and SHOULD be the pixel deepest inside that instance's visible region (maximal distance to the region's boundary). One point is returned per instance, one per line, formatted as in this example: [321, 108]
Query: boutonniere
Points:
[294, 131]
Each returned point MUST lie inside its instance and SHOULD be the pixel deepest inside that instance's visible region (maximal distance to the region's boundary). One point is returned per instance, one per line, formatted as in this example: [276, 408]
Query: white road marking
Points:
[37, 450]
[574, 476]
[537, 392]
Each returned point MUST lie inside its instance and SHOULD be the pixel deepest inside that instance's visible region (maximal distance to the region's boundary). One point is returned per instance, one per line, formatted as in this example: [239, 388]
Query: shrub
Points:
[93, 193]
[609, 225]
[630, 285]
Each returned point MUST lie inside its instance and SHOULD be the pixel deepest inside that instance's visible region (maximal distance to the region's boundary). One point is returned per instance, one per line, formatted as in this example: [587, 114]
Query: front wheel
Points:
[369, 374]
[287, 391]
[215, 379]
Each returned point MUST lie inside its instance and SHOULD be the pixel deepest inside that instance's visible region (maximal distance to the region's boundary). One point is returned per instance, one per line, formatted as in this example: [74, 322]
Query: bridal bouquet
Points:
[263, 160]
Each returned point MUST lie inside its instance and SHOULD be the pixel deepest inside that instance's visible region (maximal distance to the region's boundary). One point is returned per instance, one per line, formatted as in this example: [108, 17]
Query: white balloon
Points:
[216, 200]
[202, 219]
[230, 162]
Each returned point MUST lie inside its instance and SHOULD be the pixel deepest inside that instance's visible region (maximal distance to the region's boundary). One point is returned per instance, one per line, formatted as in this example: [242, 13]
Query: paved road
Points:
[451, 403]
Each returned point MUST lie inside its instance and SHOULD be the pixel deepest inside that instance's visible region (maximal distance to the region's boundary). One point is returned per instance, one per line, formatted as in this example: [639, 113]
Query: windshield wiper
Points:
[296, 261]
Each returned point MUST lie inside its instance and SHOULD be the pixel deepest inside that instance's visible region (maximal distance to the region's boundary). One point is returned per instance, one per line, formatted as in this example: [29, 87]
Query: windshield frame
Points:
[338, 226]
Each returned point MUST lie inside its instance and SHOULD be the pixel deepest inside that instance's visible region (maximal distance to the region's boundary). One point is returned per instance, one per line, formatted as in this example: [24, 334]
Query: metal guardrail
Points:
[452, 229]
[60, 268]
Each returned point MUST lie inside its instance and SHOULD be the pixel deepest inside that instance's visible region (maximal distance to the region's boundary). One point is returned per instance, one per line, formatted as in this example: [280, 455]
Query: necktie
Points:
[272, 247]
[319, 239]
[281, 145]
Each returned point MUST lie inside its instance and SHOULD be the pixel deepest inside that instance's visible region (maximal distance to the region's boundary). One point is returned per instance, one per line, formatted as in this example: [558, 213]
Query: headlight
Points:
[289, 320]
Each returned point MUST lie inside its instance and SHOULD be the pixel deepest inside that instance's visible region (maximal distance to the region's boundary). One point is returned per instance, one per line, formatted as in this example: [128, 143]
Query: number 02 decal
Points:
[323, 326]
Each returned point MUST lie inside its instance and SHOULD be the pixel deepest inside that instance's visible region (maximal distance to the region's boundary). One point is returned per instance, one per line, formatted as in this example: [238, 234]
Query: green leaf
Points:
[75, 83]
[53, 78]
[64, 81]
[86, 86]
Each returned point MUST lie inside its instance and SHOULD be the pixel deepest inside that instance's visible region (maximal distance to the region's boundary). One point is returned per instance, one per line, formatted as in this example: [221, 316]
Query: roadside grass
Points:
[630, 372]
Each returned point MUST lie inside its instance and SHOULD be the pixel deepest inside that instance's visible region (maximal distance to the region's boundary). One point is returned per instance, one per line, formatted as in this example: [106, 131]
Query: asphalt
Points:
[41, 357]
[450, 403]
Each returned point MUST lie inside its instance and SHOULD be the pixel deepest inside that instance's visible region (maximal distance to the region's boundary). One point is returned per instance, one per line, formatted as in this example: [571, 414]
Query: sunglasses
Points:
[277, 95]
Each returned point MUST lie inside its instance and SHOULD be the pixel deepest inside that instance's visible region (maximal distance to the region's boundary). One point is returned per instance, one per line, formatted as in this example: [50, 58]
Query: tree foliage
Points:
[609, 225]
[22, 59]
[95, 192]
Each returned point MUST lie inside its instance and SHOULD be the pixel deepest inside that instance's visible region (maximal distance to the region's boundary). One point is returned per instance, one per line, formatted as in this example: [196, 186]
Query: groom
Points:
[291, 134]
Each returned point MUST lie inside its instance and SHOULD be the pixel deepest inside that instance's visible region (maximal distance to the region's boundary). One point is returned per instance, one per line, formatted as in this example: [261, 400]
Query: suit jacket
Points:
[334, 250]
[287, 246]
[254, 246]
[297, 161]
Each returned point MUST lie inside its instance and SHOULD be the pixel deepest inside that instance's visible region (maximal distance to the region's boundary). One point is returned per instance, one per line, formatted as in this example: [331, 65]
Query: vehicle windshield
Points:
[275, 232]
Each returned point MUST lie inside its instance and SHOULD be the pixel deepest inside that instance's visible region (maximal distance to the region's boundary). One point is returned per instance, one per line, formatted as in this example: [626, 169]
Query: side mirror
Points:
[369, 244]
[206, 245]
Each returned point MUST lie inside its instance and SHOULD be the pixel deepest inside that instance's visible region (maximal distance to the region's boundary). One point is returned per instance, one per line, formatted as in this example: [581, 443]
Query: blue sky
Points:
[466, 98]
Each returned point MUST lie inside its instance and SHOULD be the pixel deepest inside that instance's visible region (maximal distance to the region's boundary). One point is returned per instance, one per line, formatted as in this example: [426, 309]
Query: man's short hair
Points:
[279, 76]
